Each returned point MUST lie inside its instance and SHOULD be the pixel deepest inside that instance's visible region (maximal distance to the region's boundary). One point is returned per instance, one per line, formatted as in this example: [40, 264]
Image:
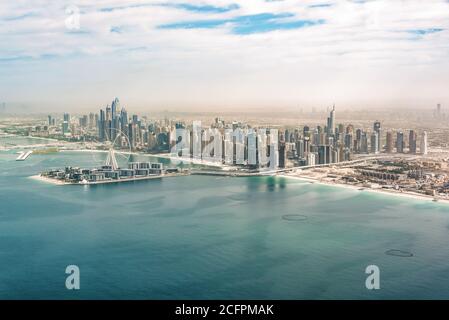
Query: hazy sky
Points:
[206, 55]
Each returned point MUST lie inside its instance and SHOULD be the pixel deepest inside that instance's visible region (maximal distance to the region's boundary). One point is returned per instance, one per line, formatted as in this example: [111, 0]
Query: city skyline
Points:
[225, 55]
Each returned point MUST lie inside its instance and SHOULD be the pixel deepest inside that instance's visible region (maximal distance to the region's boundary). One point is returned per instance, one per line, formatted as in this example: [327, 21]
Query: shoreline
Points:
[8, 135]
[38, 177]
[193, 161]
[375, 191]
[379, 191]
[63, 183]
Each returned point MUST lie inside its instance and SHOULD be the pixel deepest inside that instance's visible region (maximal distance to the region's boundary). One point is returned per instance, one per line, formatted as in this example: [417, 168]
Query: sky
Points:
[224, 55]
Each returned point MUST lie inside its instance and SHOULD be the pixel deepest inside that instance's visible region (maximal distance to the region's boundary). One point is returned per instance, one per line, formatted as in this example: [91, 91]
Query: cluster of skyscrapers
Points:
[236, 143]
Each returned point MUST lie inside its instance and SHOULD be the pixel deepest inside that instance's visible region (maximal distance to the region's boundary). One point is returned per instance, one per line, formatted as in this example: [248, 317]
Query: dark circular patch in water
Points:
[399, 253]
[294, 217]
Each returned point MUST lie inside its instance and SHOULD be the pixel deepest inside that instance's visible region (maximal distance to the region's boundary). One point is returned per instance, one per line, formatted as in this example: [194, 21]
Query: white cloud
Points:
[364, 54]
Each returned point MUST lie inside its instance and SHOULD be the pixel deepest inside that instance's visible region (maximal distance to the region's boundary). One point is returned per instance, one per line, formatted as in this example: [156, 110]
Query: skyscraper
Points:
[377, 129]
[331, 122]
[66, 124]
[412, 141]
[91, 120]
[124, 121]
[389, 147]
[424, 143]
[311, 159]
[400, 142]
[115, 106]
[364, 143]
[374, 142]
[102, 126]
[324, 154]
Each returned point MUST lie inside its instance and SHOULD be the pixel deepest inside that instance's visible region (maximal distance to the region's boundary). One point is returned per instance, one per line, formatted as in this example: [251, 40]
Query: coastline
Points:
[375, 191]
[8, 135]
[63, 183]
[380, 191]
[193, 161]
[38, 177]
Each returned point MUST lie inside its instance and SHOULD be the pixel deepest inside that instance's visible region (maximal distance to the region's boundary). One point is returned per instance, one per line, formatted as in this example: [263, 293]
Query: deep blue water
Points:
[201, 237]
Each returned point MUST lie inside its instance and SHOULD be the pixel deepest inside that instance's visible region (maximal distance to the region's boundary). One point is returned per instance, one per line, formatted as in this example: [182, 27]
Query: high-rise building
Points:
[349, 142]
[102, 126]
[91, 121]
[115, 106]
[108, 113]
[331, 122]
[83, 121]
[424, 143]
[300, 148]
[377, 128]
[412, 141]
[364, 143]
[400, 142]
[324, 154]
[66, 124]
[374, 142]
[282, 155]
[389, 146]
[124, 121]
[311, 159]
[306, 131]
[65, 127]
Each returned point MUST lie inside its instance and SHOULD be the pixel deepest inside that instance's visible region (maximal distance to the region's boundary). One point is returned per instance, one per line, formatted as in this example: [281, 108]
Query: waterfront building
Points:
[282, 155]
[65, 128]
[227, 148]
[375, 142]
[101, 126]
[114, 107]
[400, 142]
[124, 121]
[335, 157]
[377, 129]
[311, 159]
[324, 154]
[364, 143]
[424, 143]
[389, 146]
[349, 142]
[306, 145]
[300, 148]
[412, 141]
[358, 141]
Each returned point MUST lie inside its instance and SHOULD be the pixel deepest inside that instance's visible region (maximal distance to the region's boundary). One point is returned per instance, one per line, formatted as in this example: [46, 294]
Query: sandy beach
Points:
[366, 189]
[48, 180]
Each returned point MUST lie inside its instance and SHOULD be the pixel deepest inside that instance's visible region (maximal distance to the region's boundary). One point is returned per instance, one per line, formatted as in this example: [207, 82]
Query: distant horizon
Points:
[11, 109]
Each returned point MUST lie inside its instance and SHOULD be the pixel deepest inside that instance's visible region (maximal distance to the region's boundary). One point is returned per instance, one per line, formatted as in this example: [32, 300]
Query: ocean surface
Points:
[201, 237]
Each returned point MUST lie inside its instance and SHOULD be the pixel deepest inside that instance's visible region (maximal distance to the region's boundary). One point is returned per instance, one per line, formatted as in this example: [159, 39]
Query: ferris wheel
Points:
[117, 145]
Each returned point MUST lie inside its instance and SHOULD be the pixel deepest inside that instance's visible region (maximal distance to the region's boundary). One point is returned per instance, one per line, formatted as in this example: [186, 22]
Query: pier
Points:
[24, 155]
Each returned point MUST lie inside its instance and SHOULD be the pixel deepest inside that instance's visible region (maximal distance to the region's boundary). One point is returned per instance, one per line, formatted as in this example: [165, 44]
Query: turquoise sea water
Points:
[201, 237]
